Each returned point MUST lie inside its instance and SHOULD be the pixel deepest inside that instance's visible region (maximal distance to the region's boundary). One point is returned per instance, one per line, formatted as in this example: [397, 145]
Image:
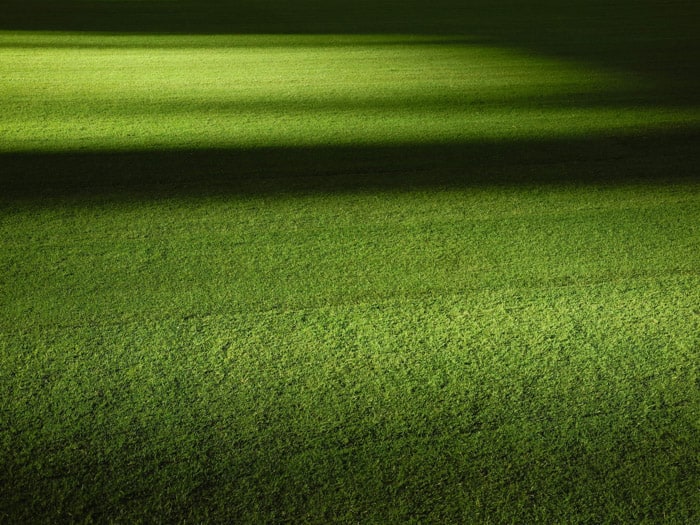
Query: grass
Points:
[458, 355]
[413, 276]
[120, 92]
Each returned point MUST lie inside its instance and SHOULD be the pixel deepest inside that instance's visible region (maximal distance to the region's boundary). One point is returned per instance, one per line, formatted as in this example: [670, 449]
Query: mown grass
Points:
[348, 278]
[118, 92]
[481, 355]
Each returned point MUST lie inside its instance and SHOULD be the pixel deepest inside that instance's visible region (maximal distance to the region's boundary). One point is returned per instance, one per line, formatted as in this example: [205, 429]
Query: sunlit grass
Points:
[63, 92]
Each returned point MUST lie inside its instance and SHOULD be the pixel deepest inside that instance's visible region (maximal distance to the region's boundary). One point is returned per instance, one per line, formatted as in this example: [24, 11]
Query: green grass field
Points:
[333, 262]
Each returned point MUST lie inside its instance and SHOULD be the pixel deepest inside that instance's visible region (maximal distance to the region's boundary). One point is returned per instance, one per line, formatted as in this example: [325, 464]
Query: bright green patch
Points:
[120, 92]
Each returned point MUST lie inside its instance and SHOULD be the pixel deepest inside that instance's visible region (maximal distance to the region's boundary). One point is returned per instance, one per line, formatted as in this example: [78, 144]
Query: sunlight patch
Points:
[65, 91]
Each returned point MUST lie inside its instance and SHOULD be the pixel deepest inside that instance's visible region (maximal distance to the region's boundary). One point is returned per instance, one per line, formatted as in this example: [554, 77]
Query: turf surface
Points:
[433, 268]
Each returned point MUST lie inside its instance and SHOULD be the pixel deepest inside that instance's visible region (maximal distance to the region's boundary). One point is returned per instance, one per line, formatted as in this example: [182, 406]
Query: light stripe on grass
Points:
[68, 92]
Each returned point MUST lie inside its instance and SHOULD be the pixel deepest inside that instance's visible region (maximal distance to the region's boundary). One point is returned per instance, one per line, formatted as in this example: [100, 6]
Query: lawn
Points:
[442, 267]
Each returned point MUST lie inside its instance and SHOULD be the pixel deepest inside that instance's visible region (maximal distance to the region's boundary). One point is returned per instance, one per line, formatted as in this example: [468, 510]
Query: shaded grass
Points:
[644, 156]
